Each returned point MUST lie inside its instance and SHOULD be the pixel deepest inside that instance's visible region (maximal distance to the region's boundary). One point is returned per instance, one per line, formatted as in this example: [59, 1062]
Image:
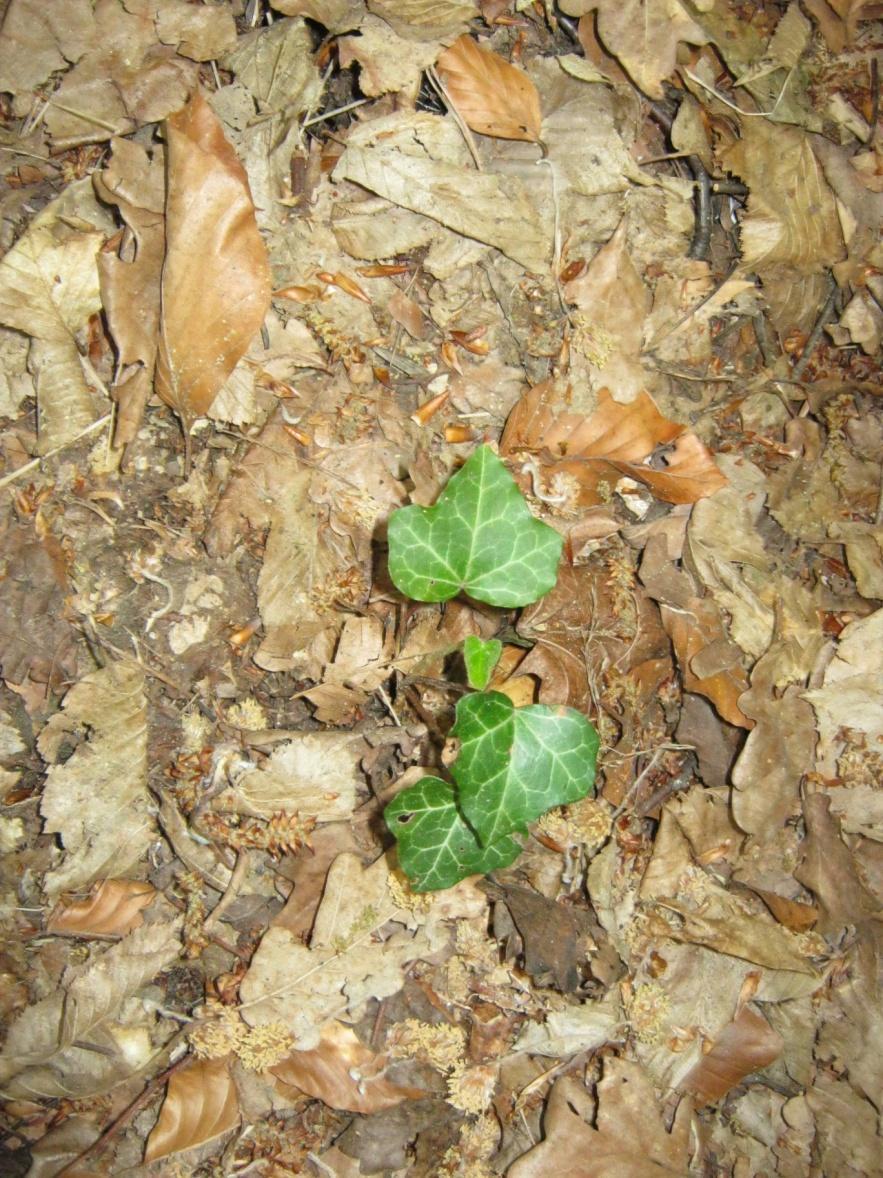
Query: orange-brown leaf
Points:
[201, 1104]
[114, 907]
[343, 1073]
[216, 276]
[492, 96]
[745, 1045]
[615, 440]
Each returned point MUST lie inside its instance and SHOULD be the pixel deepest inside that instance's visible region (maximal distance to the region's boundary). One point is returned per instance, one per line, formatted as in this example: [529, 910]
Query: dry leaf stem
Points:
[129, 1112]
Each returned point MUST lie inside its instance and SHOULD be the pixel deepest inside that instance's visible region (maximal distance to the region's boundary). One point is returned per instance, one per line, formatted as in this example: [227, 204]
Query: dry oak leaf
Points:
[114, 907]
[492, 96]
[615, 440]
[644, 35]
[216, 274]
[201, 1104]
[343, 1073]
[745, 1045]
[630, 1140]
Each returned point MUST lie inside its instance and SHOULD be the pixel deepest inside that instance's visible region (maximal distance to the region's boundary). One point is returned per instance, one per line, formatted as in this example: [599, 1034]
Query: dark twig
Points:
[816, 334]
[701, 242]
[129, 1112]
[764, 342]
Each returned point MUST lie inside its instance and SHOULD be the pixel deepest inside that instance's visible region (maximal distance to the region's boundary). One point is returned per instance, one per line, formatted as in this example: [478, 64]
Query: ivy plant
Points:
[513, 764]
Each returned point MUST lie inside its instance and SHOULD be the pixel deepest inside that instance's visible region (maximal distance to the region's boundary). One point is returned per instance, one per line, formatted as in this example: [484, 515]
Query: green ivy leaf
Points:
[480, 536]
[515, 764]
[481, 657]
[436, 848]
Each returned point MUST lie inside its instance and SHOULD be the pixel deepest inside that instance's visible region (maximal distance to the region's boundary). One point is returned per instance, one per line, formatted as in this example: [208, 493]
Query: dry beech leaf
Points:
[745, 1045]
[492, 96]
[201, 1104]
[343, 1073]
[615, 440]
[114, 907]
[76, 1042]
[130, 287]
[216, 276]
[644, 35]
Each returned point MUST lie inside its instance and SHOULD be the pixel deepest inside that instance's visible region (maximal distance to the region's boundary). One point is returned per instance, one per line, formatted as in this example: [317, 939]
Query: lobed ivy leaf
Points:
[436, 848]
[515, 764]
[480, 657]
[480, 536]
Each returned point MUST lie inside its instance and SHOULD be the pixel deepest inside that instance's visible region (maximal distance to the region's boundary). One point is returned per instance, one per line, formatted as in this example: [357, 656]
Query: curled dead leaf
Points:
[492, 96]
[615, 440]
[201, 1104]
[343, 1073]
[216, 276]
[113, 907]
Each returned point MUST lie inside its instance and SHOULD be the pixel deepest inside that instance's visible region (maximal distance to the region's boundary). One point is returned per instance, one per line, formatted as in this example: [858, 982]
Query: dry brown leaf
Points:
[630, 1140]
[114, 907]
[78, 1041]
[216, 276]
[791, 231]
[745, 1045]
[130, 285]
[613, 441]
[343, 1073]
[492, 96]
[644, 35]
[201, 1104]
[97, 800]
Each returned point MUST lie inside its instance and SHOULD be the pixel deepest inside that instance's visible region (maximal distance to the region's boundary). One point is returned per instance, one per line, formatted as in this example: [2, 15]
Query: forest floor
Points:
[271, 274]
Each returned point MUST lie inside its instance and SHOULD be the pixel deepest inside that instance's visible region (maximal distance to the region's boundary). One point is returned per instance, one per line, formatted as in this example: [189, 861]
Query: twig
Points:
[816, 334]
[439, 86]
[330, 114]
[701, 243]
[129, 1112]
[746, 114]
[231, 891]
[21, 471]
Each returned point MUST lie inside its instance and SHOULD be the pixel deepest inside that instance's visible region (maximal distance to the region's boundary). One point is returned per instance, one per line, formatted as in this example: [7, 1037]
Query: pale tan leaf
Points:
[114, 906]
[97, 800]
[216, 276]
[48, 289]
[201, 33]
[74, 1043]
[791, 231]
[315, 774]
[745, 1045]
[130, 285]
[277, 66]
[492, 96]
[644, 35]
[38, 38]
[201, 1104]
[630, 1140]
[387, 62]
[343, 1073]
[408, 158]
[338, 16]
[425, 20]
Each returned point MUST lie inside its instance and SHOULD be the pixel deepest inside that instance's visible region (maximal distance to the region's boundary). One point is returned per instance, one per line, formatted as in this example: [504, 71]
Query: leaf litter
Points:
[273, 271]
